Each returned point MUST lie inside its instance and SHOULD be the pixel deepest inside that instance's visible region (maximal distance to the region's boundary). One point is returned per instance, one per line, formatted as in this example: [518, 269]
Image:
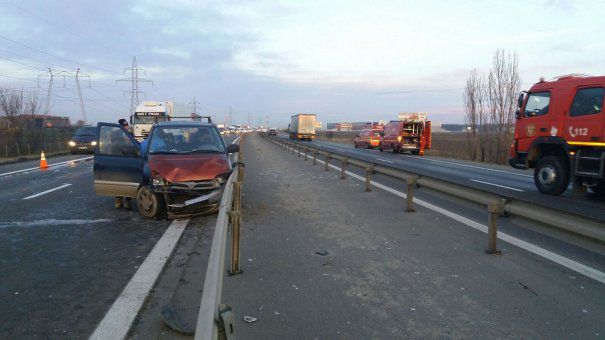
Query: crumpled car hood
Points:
[184, 168]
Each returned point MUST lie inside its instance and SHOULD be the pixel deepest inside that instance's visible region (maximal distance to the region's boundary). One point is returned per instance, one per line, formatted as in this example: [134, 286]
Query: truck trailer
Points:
[302, 126]
[560, 133]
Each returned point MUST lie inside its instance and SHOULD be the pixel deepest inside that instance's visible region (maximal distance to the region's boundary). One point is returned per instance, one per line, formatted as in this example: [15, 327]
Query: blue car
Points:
[181, 171]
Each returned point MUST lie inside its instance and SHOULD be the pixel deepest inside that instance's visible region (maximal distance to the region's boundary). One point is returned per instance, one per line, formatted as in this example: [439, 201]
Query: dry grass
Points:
[450, 145]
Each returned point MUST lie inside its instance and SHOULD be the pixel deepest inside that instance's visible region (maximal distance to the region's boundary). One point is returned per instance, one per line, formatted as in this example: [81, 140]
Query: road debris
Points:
[322, 253]
[250, 319]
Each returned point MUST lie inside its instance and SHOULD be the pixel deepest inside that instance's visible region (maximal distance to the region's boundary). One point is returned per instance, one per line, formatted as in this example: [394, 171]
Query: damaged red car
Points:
[180, 170]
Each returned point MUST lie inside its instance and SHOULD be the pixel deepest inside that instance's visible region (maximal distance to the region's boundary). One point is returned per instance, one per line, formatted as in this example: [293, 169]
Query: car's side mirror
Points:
[130, 151]
[232, 148]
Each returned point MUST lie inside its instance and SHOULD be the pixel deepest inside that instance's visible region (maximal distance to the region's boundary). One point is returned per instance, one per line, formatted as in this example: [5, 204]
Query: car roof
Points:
[184, 123]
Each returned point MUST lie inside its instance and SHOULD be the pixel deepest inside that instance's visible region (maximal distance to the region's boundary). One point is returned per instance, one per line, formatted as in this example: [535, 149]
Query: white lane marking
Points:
[121, 315]
[50, 165]
[467, 165]
[384, 160]
[51, 221]
[496, 185]
[236, 140]
[47, 191]
[568, 263]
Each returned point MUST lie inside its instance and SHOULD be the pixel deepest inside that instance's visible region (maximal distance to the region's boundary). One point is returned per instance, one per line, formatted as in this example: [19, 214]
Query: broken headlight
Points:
[221, 179]
[158, 181]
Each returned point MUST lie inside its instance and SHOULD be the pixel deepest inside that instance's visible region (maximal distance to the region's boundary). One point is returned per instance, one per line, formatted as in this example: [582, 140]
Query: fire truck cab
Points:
[560, 133]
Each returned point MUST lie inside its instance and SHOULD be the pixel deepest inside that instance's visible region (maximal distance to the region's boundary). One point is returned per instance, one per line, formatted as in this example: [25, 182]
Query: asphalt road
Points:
[65, 253]
[383, 273]
[500, 180]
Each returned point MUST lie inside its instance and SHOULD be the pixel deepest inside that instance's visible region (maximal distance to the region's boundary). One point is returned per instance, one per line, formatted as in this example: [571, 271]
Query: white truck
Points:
[302, 126]
[148, 113]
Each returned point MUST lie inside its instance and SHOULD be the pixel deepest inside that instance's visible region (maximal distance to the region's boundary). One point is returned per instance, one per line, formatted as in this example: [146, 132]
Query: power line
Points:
[55, 56]
[24, 64]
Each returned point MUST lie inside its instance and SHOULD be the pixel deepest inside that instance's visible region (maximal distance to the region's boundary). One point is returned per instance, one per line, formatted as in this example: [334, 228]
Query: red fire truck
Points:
[560, 132]
[412, 132]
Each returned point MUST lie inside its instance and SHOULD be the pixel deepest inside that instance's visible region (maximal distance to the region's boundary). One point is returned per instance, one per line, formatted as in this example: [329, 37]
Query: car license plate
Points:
[82, 148]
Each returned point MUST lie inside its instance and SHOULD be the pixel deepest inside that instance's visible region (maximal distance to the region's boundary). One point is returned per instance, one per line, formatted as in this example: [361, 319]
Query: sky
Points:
[343, 60]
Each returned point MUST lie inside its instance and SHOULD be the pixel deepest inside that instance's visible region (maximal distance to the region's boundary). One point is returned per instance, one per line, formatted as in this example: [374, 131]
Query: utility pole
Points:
[194, 103]
[134, 81]
[50, 89]
[80, 94]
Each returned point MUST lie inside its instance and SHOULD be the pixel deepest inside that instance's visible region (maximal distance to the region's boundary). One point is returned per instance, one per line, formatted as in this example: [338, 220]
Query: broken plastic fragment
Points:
[249, 319]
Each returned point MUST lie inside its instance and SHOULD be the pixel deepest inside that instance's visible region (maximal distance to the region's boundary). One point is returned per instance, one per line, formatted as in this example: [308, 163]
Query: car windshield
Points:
[88, 130]
[186, 140]
[148, 119]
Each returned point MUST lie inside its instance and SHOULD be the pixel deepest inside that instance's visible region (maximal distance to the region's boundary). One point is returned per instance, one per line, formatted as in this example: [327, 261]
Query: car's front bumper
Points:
[82, 147]
[211, 198]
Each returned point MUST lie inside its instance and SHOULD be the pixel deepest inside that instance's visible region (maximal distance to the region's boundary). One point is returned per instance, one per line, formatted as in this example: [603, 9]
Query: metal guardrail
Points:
[215, 320]
[496, 204]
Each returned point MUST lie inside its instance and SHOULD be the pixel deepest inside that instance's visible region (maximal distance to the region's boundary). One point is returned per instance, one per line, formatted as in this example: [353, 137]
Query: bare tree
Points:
[470, 118]
[503, 85]
[34, 103]
[11, 103]
[474, 103]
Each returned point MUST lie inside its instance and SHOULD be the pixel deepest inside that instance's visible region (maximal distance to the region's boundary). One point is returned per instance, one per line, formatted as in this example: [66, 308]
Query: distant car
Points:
[368, 139]
[272, 132]
[181, 170]
[84, 140]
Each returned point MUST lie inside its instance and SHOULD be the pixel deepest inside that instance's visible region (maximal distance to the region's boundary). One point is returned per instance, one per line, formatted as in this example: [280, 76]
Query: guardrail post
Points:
[369, 171]
[299, 152]
[235, 217]
[327, 163]
[411, 183]
[343, 166]
[293, 149]
[494, 209]
[314, 157]
[306, 152]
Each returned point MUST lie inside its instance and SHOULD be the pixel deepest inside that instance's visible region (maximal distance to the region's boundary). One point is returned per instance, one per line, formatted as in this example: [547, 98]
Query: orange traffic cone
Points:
[43, 164]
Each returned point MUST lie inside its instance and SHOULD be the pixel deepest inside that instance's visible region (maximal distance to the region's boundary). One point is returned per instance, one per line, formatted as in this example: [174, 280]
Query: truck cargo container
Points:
[302, 126]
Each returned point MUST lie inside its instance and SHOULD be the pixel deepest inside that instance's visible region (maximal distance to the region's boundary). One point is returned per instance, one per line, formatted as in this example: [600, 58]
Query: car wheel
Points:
[150, 204]
[551, 175]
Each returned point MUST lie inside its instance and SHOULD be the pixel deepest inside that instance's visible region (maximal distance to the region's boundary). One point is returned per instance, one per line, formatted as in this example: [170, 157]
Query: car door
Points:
[585, 123]
[535, 120]
[117, 162]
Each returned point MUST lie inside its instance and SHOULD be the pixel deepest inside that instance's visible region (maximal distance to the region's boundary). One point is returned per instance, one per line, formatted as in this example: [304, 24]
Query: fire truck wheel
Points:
[393, 150]
[150, 204]
[380, 149]
[551, 175]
